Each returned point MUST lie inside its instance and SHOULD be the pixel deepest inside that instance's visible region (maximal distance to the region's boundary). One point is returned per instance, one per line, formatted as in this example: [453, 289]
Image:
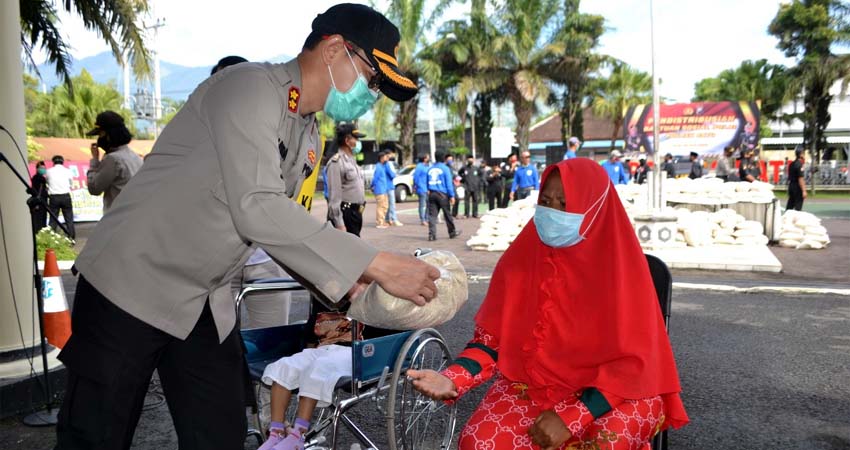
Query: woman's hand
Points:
[432, 384]
[549, 431]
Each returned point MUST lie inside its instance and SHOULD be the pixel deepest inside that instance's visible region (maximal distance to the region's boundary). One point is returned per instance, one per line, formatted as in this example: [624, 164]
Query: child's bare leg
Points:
[306, 406]
[279, 402]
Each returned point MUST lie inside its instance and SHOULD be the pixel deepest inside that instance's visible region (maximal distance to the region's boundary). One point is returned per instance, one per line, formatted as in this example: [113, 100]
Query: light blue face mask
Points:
[358, 147]
[353, 103]
[562, 229]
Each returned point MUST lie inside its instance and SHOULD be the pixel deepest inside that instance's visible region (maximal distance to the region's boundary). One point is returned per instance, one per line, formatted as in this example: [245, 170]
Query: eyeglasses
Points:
[375, 80]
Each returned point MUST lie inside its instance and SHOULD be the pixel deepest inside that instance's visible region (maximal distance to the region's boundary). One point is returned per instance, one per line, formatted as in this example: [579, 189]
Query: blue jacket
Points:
[616, 172]
[440, 179]
[325, 178]
[420, 179]
[382, 181]
[569, 154]
[525, 177]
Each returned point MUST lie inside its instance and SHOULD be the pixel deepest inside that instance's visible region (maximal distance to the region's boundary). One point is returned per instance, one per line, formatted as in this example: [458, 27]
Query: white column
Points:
[16, 225]
[126, 73]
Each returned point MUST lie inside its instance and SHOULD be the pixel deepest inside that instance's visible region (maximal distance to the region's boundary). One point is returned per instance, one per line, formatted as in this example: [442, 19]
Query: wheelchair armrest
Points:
[270, 280]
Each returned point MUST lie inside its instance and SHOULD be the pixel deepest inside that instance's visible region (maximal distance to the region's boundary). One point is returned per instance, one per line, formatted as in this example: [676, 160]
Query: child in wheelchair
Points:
[314, 372]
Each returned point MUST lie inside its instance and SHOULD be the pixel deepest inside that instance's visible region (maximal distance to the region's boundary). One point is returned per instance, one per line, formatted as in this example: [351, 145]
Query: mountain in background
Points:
[177, 81]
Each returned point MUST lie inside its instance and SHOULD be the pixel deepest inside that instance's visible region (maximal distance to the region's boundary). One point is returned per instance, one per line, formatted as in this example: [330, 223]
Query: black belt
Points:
[530, 188]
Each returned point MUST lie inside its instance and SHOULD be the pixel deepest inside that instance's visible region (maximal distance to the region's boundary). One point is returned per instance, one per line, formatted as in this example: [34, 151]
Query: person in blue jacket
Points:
[392, 218]
[420, 185]
[525, 178]
[382, 188]
[615, 169]
[441, 195]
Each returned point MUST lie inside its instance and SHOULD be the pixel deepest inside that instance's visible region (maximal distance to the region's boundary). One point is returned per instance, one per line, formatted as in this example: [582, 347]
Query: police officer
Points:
[796, 182]
[696, 166]
[471, 179]
[441, 195]
[154, 286]
[508, 171]
[668, 166]
[748, 169]
[346, 198]
[525, 178]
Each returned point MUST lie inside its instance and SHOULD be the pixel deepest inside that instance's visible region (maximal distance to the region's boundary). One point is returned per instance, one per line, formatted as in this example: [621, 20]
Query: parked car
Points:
[403, 183]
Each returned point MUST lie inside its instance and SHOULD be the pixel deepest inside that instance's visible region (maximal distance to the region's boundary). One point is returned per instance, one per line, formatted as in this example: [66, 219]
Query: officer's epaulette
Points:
[335, 158]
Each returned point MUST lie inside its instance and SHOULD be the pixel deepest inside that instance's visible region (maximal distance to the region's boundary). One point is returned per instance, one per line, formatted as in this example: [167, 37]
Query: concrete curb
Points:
[761, 289]
[478, 278]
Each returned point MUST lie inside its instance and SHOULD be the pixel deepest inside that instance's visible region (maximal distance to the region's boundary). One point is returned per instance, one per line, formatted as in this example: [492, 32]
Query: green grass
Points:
[818, 195]
[61, 245]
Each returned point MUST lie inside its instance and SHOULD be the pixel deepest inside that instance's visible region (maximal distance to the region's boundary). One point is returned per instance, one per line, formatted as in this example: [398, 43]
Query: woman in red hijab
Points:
[581, 358]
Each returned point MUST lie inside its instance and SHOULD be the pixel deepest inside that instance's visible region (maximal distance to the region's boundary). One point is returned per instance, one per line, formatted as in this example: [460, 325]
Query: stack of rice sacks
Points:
[803, 231]
[501, 226]
[726, 227]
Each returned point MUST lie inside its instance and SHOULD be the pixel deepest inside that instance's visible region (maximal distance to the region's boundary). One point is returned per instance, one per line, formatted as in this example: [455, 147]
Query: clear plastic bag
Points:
[378, 308]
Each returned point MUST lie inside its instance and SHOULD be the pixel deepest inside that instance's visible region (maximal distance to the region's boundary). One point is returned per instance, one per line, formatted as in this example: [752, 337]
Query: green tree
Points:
[61, 114]
[521, 55]
[612, 96]
[807, 30]
[413, 22]
[753, 81]
[117, 21]
[574, 70]
[33, 147]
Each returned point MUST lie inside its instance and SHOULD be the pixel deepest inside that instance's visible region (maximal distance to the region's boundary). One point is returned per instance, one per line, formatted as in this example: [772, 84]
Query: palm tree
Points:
[61, 114]
[115, 20]
[520, 56]
[413, 23]
[623, 88]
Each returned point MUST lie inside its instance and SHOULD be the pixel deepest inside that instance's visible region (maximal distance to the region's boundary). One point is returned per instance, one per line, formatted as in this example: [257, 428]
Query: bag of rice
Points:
[809, 244]
[746, 232]
[750, 225]
[725, 239]
[815, 229]
[789, 243]
[378, 308]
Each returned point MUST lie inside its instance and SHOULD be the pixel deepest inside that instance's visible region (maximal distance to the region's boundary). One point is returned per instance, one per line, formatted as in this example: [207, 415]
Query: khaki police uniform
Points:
[154, 291]
[346, 196]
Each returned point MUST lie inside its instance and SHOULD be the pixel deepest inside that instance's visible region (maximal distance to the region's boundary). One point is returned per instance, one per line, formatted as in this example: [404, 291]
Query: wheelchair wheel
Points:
[413, 420]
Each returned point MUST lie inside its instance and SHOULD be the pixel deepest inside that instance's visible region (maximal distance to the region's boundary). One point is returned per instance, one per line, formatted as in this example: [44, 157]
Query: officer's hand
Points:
[549, 431]
[403, 277]
[805, 194]
[432, 384]
[340, 227]
[452, 201]
[511, 196]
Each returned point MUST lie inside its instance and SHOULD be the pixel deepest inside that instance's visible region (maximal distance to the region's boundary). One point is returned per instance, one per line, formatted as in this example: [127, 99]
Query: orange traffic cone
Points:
[57, 318]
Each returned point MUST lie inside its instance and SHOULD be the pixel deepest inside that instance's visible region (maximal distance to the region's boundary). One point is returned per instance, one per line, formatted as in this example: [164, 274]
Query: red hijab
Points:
[585, 315]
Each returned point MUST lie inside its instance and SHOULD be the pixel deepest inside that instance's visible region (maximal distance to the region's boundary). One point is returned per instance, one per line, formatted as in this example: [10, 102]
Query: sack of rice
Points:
[791, 235]
[822, 238]
[378, 308]
[746, 232]
[498, 246]
[725, 239]
[810, 244]
[815, 229]
[789, 243]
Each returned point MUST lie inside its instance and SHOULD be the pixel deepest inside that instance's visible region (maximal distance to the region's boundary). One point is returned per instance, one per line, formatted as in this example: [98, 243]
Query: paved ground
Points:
[759, 371]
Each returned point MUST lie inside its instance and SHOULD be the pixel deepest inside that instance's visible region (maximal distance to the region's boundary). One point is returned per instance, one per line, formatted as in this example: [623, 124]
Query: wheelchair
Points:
[378, 379]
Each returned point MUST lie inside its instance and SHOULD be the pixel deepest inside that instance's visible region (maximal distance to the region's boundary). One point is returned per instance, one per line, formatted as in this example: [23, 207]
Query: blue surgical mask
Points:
[562, 229]
[353, 103]
[41, 170]
[358, 147]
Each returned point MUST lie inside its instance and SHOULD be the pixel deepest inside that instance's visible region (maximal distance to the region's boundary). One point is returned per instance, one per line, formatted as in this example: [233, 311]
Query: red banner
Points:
[704, 127]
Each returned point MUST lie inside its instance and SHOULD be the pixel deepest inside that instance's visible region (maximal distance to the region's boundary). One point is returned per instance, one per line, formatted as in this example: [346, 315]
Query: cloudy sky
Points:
[694, 38]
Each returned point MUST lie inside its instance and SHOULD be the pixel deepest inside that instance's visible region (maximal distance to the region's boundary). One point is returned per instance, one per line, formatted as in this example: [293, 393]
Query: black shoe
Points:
[455, 234]
[432, 238]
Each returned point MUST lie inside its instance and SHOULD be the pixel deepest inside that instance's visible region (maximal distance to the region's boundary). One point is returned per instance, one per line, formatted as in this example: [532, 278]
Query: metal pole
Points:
[656, 143]
[432, 139]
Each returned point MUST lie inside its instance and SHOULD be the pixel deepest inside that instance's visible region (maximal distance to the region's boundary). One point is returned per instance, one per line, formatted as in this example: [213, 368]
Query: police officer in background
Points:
[346, 196]
[796, 182]
[154, 286]
[668, 166]
[696, 166]
[470, 176]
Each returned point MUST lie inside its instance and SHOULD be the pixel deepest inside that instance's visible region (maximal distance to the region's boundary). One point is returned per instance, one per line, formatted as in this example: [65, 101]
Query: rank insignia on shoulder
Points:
[311, 155]
[294, 95]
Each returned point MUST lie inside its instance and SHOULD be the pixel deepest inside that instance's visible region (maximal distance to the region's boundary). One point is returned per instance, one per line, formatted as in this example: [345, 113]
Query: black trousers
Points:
[39, 218]
[62, 202]
[506, 194]
[437, 201]
[352, 217]
[494, 198]
[110, 359]
[471, 195]
[795, 198]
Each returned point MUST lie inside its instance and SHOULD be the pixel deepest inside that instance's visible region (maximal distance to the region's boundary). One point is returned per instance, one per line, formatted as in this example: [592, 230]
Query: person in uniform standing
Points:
[525, 179]
[441, 195]
[668, 166]
[471, 178]
[724, 168]
[109, 175]
[38, 211]
[796, 182]
[59, 182]
[748, 169]
[495, 186]
[346, 197]
[508, 172]
[696, 166]
[154, 285]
